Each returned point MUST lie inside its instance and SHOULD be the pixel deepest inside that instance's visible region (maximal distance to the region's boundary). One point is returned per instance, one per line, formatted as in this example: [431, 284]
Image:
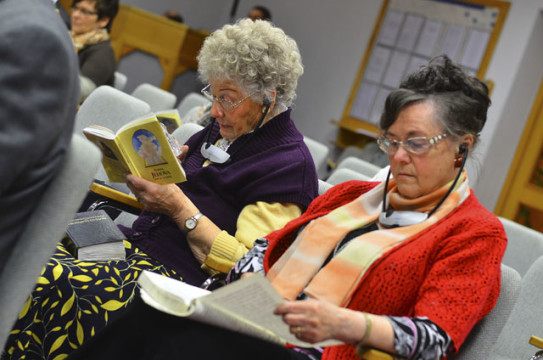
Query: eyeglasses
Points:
[225, 104]
[83, 11]
[416, 145]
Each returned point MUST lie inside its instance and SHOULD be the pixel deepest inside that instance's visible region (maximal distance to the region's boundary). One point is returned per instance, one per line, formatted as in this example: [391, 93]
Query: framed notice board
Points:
[408, 33]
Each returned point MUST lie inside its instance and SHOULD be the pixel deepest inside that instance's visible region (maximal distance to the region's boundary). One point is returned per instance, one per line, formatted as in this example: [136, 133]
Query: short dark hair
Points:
[173, 15]
[461, 100]
[105, 9]
[265, 12]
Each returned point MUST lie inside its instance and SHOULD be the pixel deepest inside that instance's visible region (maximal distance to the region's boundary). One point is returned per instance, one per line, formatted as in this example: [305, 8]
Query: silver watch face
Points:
[190, 224]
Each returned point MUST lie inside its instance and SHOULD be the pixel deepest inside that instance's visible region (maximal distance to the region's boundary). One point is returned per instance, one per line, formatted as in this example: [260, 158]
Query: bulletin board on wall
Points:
[408, 33]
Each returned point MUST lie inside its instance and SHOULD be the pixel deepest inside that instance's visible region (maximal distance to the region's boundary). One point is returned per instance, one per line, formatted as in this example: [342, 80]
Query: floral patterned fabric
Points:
[73, 300]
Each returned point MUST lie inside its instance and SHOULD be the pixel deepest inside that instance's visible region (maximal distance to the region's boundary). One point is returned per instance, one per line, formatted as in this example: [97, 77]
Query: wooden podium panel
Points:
[174, 44]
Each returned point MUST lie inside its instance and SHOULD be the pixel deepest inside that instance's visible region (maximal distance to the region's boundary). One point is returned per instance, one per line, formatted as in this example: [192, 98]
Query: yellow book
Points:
[170, 118]
[141, 147]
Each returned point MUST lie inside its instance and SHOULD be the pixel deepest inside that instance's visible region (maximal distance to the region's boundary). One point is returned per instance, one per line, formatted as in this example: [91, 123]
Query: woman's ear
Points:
[466, 144]
[102, 23]
[269, 102]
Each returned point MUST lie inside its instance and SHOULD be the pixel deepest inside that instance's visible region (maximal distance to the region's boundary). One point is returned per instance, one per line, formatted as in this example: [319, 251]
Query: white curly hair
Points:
[256, 55]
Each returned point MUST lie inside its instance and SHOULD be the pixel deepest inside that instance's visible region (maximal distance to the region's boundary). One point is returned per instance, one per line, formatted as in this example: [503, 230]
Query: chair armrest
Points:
[374, 354]
[114, 198]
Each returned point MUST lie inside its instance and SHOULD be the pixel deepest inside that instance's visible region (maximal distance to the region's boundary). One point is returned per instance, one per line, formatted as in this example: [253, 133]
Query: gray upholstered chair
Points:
[525, 320]
[112, 108]
[359, 165]
[524, 246]
[318, 151]
[190, 101]
[157, 98]
[185, 131]
[323, 186]
[346, 174]
[120, 81]
[484, 334]
[45, 229]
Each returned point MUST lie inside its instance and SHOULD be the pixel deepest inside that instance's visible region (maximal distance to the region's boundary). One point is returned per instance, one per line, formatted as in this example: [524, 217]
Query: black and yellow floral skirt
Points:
[73, 300]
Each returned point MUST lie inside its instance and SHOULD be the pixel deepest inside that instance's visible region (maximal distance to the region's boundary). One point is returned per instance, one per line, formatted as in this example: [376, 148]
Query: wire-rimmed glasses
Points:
[415, 145]
[225, 104]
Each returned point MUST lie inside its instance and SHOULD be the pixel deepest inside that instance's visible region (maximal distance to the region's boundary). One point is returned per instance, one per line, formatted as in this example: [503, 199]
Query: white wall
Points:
[333, 36]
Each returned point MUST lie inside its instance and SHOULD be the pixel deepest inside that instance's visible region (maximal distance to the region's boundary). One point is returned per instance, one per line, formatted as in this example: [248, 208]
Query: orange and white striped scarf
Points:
[89, 38]
[300, 267]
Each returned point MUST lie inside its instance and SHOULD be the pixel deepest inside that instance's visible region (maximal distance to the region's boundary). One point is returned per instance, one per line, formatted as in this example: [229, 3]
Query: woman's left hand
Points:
[165, 199]
[314, 321]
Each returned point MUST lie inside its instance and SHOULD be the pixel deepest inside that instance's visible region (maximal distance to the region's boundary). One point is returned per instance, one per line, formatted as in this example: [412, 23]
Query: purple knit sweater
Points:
[273, 166]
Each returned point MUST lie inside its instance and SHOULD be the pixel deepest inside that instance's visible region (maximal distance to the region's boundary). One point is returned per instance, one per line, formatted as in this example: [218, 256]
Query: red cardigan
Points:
[449, 273]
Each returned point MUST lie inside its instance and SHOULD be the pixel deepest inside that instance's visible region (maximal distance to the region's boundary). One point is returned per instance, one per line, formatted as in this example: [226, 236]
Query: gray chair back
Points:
[112, 108]
[323, 186]
[359, 165]
[484, 334]
[345, 174]
[45, 229]
[525, 320]
[109, 107]
[319, 152]
[190, 101]
[524, 245]
[185, 131]
[120, 81]
[157, 98]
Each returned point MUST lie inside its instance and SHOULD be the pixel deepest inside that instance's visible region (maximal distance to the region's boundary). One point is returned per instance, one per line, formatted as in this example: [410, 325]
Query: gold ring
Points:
[298, 331]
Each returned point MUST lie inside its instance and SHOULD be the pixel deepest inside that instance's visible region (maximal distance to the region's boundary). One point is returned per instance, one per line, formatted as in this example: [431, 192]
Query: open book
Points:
[142, 147]
[170, 118]
[245, 306]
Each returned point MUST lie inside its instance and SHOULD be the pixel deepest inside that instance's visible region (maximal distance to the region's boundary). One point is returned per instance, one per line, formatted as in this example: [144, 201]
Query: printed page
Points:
[169, 295]
[112, 157]
[254, 299]
[180, 299]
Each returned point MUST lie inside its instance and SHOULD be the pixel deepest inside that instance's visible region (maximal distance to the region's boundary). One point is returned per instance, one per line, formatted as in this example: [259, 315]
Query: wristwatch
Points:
[192, 221]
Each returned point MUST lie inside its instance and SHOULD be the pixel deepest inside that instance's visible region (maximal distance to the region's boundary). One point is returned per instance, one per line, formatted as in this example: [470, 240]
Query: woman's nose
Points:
[401, 155]
[216, 110]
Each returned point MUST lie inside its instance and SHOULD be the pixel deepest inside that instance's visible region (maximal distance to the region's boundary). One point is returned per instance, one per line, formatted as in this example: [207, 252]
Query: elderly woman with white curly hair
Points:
[249, 172]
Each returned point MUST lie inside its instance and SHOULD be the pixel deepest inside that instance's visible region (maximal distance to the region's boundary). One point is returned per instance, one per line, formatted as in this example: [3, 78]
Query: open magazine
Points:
[245, 306]
[142, 147]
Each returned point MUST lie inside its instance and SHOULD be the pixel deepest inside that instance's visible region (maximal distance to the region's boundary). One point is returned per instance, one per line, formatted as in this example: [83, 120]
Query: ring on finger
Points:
[298, 330]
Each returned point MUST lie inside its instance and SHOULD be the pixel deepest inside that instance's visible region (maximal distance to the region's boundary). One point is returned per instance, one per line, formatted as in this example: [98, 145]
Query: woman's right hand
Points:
[165, 199]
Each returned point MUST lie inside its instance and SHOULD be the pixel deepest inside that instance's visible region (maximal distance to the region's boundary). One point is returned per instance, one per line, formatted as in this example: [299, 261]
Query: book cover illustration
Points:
[142, 147]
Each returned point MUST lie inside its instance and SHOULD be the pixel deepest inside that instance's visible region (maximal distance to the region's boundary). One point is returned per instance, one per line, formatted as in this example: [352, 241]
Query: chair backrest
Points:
[525, 319]
[157, 98]
[323, 186]
[319, 151]
[112, 108]
[345, 174]
[120, 81]
[359, 165]
[371, 153]
[45, 228]
[483, 335]
[524, 245]
[190, 101]
[185, 131]
[109, 107]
